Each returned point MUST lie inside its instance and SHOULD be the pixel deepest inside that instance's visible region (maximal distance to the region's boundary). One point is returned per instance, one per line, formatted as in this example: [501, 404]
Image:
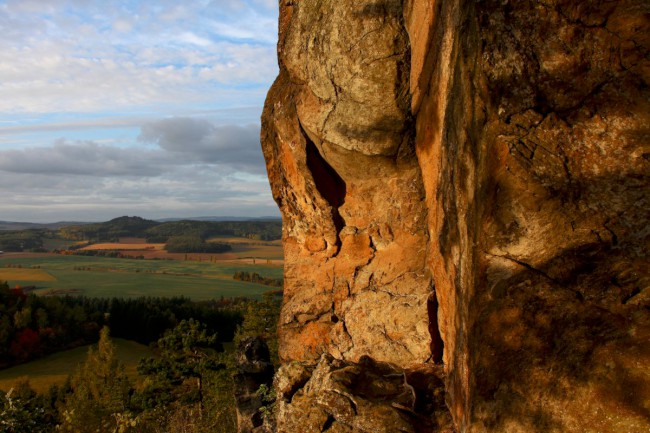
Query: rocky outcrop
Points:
[254, 369]
[339, 143]
[463, 184]
[339, 396]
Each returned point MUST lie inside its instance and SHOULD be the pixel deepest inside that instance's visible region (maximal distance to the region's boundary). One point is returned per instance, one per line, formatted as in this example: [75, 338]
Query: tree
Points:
[22, 410]
[6, 333]
[41, 318]
[23, 318]
[261, 320]
[5, 292]
[187, 352]
[100, 392]
[25, 345]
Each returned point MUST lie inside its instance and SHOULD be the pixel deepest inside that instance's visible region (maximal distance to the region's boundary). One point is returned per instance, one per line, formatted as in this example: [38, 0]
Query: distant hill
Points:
[160, 232]
[13, 225]
[20, 236]
[125, 226]
[222, 218]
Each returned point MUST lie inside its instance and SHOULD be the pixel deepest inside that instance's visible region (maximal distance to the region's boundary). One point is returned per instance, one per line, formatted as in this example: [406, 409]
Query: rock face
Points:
[464, 186]
[254, 368]
[368, 396]
[339, 140]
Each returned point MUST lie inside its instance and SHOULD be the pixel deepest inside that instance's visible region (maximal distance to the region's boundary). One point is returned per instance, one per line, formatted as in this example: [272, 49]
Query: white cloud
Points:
[78, 78]
[191, 38]
[129, 56]
[122, 25]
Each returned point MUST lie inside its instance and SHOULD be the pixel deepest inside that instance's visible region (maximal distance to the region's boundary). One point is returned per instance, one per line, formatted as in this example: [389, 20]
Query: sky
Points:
[125, 107]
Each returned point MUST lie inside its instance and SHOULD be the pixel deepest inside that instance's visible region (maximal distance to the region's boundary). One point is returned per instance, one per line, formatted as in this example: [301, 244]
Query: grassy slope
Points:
[132, 278]
[53, 369]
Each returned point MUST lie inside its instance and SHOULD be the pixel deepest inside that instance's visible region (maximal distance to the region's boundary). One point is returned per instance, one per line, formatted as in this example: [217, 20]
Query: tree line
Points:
[157, 232]
[152, 231]
[33, 326]
[187, 387]
[24, 240]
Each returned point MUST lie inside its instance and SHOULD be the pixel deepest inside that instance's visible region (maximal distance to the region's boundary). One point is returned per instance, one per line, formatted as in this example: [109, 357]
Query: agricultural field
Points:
[130, 278]
[243, 249]
[126, 244]
[54, 369]
[20, 274]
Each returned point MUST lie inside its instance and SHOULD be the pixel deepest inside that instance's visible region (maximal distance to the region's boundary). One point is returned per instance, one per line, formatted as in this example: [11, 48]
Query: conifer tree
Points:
[100, 391]
[261, 320]
[185, 353]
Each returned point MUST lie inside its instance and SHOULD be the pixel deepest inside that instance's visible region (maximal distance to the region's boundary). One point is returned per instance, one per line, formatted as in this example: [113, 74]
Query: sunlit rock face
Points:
[339, 140]
[473, 173]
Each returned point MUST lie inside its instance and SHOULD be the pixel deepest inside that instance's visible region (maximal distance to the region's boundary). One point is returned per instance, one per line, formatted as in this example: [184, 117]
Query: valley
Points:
[127, 257]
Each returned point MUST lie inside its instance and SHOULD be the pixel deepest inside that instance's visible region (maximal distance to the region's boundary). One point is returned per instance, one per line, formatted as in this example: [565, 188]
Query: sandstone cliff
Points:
[464, 188]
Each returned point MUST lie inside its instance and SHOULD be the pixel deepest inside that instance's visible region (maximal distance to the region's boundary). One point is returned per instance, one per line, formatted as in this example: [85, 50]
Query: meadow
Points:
[54, 369]
[129, 278]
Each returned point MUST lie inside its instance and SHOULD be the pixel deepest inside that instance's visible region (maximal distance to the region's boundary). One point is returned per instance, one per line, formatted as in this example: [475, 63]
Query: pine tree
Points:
[100, 391]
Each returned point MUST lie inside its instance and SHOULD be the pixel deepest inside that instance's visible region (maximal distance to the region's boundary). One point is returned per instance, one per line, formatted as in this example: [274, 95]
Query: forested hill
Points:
[155, 231]
[111, 230]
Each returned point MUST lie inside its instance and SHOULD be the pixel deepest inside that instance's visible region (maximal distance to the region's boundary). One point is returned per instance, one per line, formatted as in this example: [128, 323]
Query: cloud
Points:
[122, 25]
[176, 134]
[80, 79]
[179, 141]
[179, 191]
[84, 158]
[86, 181]
[192, 38]
[72, 124]
[237, 147]
[139, 54]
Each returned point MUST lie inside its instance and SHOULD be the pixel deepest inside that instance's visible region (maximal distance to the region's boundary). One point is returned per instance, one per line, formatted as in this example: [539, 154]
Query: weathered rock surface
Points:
[368, 397]
[254, 368]
[341, 157]
[497, 151]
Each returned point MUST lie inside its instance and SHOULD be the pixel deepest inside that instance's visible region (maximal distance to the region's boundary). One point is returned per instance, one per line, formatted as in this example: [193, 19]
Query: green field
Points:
[257, 250]
[129, 278]
[247, 248]
[54, 369]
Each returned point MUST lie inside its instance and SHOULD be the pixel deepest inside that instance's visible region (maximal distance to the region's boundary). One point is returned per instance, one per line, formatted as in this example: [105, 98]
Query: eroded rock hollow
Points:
[464, 189]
